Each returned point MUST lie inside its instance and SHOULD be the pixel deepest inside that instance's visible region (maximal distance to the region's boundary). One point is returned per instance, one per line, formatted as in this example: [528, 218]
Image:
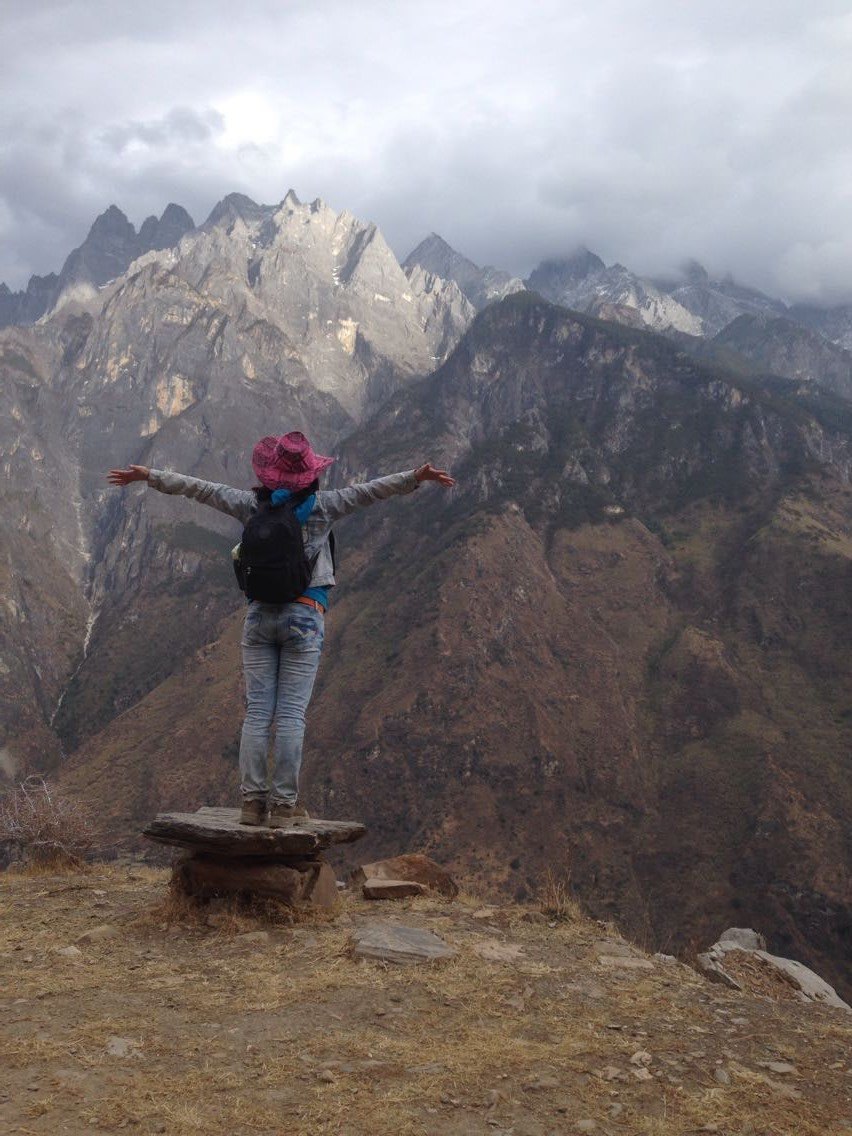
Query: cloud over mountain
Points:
[714, 131]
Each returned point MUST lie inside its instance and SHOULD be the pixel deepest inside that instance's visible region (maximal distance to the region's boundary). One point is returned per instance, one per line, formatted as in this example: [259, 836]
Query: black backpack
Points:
[272, 566]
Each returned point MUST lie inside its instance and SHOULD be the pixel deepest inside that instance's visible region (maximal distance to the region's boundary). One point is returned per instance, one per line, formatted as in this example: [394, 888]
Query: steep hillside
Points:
[786, 348]
[834, 324]
[617, 648]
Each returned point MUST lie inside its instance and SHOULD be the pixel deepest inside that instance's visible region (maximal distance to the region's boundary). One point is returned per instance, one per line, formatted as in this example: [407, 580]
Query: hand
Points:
[122, 477]
[429, 473]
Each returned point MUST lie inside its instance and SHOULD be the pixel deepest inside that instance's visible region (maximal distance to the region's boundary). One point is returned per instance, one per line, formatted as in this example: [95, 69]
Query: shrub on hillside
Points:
[555, 898]
[40, 826]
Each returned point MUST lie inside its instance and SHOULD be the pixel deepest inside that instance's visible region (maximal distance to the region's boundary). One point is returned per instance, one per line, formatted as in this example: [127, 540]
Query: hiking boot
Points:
[253, 812]
[279, 814]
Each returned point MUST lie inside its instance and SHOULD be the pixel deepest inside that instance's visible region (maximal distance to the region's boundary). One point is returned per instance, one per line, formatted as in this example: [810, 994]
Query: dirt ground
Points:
[181, 1021]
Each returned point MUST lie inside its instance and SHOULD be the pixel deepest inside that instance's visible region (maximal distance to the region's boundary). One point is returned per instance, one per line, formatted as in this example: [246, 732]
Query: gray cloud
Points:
[181, 125]
[716, 130]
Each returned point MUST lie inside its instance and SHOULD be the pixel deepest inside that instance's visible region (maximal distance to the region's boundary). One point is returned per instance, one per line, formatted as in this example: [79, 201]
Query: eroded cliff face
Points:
[616, 650]
[782, 347]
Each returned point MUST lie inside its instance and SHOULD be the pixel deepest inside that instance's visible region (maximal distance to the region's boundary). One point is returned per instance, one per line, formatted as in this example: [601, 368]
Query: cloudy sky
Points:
[651, 131]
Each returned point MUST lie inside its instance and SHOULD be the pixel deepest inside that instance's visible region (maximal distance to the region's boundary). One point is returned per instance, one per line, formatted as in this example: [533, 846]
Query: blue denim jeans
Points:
[281, 648]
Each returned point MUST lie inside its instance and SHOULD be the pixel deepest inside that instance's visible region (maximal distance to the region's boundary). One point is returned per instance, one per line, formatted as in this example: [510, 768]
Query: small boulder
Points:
[811, 987]
[73, 954]
[99, 934]
[322, 891]
[781, 1067]
[413, 867]
[717, 966]
[391, 889]
[123, 1047]
[542, 1082]
[743, 939]
[710, 964]
[494, 951]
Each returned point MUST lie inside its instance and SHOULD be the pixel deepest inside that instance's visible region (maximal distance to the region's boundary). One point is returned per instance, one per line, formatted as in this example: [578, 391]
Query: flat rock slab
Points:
[391, 889]
[396, 942]
[219, 830]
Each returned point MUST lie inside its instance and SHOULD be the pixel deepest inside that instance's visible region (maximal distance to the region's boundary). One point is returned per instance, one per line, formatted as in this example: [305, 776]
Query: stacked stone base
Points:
[223, 857]
[294, 882]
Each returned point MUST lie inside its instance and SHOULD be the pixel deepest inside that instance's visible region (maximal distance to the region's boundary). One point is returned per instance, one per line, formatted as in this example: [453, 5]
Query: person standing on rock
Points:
[282, 641]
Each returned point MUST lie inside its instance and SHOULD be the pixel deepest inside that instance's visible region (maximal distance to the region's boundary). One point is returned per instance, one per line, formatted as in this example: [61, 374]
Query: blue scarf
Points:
[303, 511]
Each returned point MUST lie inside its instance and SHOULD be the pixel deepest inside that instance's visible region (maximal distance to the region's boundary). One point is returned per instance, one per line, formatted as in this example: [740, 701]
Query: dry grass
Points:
[230, 915]
[295, 1035]
[555, 899]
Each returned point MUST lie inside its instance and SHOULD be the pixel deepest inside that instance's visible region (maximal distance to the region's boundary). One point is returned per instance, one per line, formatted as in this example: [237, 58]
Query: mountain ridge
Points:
[661, 303]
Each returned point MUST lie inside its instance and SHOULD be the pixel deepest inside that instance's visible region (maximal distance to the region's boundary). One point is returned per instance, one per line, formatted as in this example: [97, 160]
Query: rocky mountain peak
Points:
[482, 286]
[175, 214]
[112, 222]
[108, 249]
[578, 265]
[167, 231]
[236, 206]
[583, 282]
[437, 256]
[695, 273]
[323, 297]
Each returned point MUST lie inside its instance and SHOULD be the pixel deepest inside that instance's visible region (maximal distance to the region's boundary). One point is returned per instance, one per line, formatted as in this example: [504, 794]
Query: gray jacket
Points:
[330, 506]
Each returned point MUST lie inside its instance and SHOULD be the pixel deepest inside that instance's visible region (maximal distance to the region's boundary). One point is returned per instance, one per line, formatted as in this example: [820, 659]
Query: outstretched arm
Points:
[239, 503]
[337, 503]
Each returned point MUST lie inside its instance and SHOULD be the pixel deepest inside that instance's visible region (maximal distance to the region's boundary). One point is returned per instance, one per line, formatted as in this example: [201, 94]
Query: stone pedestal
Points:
[224, 857]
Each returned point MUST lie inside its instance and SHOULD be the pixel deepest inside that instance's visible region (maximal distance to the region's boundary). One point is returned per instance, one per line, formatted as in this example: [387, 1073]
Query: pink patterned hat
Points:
[287, 462]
